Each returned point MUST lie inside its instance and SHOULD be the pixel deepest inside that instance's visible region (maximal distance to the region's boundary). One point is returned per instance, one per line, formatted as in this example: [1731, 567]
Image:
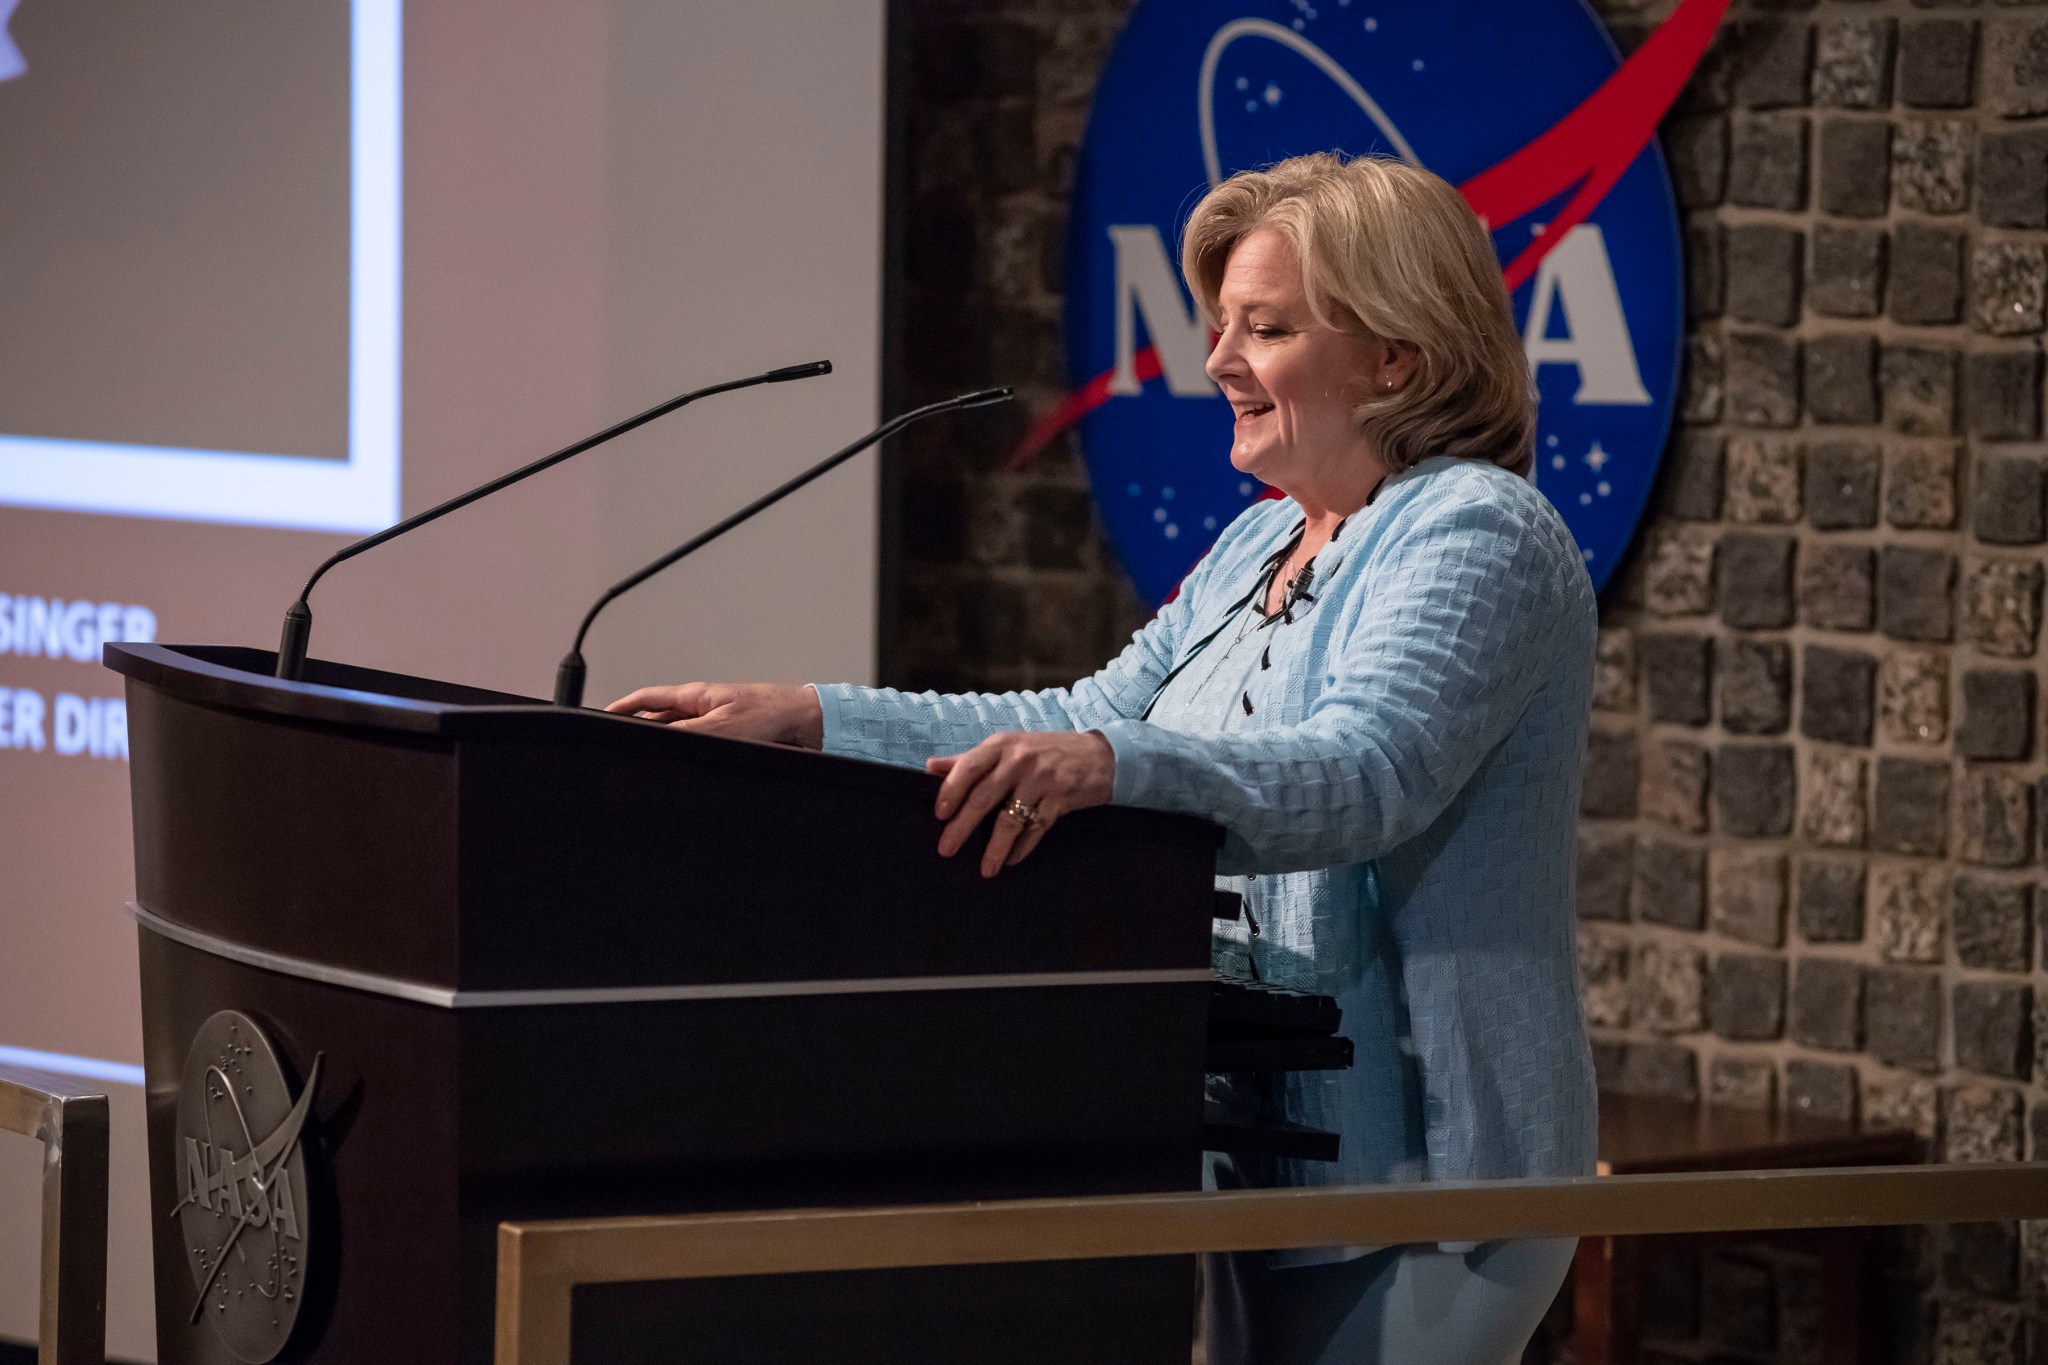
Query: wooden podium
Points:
[533, 962]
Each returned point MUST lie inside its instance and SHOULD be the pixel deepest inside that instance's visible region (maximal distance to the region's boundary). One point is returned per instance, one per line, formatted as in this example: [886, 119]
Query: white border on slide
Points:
[356, 494]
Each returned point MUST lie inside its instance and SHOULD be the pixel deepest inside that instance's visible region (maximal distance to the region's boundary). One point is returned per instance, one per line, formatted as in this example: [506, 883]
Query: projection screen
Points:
[274, 273]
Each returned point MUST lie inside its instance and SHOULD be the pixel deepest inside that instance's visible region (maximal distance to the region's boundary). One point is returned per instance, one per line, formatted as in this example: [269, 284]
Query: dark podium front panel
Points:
[539, 962]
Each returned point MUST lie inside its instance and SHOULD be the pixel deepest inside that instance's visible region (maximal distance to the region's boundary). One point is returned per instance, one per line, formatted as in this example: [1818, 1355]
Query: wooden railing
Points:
[540, 1263]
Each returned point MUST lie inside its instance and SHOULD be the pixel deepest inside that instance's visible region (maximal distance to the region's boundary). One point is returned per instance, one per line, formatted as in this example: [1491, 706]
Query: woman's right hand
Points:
[772, 712]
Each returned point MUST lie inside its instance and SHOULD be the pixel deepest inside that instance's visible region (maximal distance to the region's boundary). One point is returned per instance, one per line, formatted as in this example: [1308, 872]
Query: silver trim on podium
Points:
[420, 993]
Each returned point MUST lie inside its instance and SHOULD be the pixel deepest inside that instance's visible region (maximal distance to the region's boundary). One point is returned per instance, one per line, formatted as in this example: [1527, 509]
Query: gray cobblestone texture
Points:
[2008, 502]
[1669, 884]
[1704, 377]
[1994, 818]
[1840, 383]
[1755, 790]
[1755, 679]
[2013, 163]
[1739, 1083]
[1706, 270]
[1902, 1017]
[1998, 714]
[1846, 276]
[1842, 484]
[1603, 977]
[1827, 1004]
[2016, 66]
[2008, 287]
[1919, 389]
[1837, 696]
[1678, 676]
[1909, 911]
[1611, 774]
[1755, 579]
[1855, 173]
[2002, 395]
[1606, 866]
[1852, 63]
[1772, 61]
[1994, 923]
[1981, 1123]
[1614, 670]
[1818, 1090]
[1767, 161]
[1675, 778]
[2001, 608]
[1830, 898]
[1678, 571]
[1668, 988]
[1931, 164]
[1938, 63]
[1920, 485]
[1834, 798]
[1915, 593]
[1926, 273]
[1690, 481]
[1912, 697]
[1746, 895]
[1912, 807]
[1763, 273]
[1661, 1070]
[1746, 997]
[1761, 372]
[1895, 1104]
[1993, 1022]
[1762, 479]
[1697, 151]
[1837, 586]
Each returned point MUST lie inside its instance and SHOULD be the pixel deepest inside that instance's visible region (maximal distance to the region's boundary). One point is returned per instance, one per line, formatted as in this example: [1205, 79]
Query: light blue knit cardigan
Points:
[1399, 807]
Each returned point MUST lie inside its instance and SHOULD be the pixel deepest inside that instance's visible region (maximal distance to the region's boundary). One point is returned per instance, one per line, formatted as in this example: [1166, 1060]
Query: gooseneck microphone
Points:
[298, 618]
[570, 674]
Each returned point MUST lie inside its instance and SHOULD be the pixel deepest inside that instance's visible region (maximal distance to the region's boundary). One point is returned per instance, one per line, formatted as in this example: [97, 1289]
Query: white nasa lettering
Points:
[1145, 283]
[1578, 277]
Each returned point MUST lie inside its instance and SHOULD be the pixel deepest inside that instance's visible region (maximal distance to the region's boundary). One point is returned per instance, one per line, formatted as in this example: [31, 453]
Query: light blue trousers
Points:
[1394, 1306]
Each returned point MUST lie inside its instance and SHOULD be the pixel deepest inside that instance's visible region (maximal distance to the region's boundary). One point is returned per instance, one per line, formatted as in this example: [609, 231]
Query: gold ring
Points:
[1024, 815]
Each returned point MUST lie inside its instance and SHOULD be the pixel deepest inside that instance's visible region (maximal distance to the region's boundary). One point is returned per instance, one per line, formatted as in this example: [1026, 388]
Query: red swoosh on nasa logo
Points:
[1590, 148]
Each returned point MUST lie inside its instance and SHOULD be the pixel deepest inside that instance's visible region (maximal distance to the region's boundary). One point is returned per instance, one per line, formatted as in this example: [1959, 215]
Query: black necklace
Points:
[1296, 593]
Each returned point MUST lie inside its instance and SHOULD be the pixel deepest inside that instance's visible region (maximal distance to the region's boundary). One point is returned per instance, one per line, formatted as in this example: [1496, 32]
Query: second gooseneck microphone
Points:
[298, 618]
[570, 674]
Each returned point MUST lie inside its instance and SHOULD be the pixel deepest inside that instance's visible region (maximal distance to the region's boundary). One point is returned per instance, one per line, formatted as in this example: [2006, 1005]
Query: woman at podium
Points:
[1378, 685]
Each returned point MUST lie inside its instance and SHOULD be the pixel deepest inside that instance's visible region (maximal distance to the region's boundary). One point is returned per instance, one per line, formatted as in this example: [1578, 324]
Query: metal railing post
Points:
[70, 1121]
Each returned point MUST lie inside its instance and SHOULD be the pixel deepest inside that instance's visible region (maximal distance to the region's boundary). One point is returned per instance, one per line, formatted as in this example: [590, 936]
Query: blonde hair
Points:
[1391, 250]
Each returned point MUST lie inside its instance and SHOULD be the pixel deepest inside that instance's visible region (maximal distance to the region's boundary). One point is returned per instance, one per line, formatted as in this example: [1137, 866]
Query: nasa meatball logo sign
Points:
[1525, 105]
[242, 1207]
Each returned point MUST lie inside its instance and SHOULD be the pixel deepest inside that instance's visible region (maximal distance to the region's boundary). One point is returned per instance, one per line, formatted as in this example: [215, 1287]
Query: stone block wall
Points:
[1816, 808]
[1003, 577]
[1811, 852]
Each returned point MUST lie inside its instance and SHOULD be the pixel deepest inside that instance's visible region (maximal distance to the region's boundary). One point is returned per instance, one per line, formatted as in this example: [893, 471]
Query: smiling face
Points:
[1293, 381]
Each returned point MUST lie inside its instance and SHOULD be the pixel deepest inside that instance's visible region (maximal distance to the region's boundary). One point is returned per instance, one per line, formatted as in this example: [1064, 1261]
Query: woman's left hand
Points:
[1050, 772]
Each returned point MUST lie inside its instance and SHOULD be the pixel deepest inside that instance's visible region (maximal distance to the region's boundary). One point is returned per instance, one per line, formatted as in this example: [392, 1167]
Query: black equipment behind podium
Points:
[539, 962]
